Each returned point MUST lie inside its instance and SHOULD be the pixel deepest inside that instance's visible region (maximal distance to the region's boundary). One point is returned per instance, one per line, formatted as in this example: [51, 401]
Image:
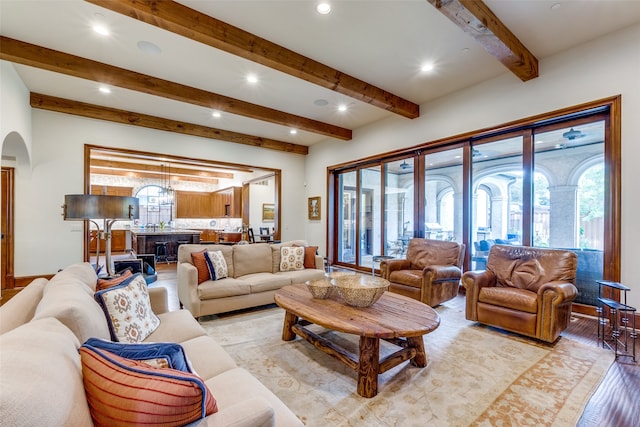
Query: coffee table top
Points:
[392, 316]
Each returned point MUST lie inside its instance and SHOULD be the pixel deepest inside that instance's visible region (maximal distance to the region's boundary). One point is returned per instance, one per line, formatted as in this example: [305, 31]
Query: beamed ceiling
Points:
[365, 55]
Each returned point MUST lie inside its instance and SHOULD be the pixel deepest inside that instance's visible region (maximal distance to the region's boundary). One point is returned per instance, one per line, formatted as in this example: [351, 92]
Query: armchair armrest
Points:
[473, 281]
[188, 287]
[390, 265]
[159, 298]
[554, 308]
[441, 273]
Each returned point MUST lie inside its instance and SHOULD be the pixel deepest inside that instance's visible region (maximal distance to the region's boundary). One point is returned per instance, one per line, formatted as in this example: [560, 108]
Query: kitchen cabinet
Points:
[118, 241]
[227, 203]
[193, 204]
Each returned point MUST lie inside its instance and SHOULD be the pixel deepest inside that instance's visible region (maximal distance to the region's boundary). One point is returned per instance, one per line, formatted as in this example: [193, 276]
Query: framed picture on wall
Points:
[314, 208]
[268, 211]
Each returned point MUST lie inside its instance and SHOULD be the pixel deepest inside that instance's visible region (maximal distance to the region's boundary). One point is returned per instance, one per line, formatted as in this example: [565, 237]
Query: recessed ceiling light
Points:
[216, 114]
[148, 47]
[323, 8]
[320, 102]
[252, 78]
[293, 131]
[427, 66]
[466, 50]
[556, 6]
[101, 29]
[104, 89]
[342, 107]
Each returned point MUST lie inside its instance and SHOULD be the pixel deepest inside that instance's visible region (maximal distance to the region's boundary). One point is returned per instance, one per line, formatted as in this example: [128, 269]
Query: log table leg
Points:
[420, 359]
[368, 366]
[290, 319]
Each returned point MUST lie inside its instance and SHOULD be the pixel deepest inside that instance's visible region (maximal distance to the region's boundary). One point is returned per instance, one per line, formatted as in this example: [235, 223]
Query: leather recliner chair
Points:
[524, 290]
[430, 273]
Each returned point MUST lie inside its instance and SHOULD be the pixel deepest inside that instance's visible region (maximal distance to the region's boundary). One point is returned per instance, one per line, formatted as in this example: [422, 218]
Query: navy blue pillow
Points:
[172, 353]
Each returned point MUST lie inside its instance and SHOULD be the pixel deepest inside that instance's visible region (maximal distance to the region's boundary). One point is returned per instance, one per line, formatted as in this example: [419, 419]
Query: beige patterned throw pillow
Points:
[128, 310]
[291, 258]
[219, 264]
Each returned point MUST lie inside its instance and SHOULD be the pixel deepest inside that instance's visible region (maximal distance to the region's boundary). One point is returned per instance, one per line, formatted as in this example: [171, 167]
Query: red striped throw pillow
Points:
[124, 392]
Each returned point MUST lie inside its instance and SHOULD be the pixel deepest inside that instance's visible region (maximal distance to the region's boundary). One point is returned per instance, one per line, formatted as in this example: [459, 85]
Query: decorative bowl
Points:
[320, 289]
[360, 290]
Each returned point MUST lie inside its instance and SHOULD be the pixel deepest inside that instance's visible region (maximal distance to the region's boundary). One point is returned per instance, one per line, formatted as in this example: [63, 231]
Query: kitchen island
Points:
[144, 241]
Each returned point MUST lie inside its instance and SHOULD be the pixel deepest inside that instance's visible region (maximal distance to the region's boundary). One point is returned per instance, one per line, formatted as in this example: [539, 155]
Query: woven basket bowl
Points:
[320, 289]
[360, 290]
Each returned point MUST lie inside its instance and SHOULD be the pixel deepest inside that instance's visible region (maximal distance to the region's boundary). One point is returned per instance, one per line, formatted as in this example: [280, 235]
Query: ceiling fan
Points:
[573, 134]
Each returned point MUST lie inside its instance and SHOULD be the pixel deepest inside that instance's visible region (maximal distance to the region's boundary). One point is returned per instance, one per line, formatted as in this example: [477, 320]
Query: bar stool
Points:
[161, 252]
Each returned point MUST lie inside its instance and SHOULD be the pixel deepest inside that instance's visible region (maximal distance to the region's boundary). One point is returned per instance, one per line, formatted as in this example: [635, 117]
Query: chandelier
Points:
[167, 194]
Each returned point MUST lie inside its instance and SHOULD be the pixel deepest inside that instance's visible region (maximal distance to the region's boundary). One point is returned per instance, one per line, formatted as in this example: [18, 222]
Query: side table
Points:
[619, 336]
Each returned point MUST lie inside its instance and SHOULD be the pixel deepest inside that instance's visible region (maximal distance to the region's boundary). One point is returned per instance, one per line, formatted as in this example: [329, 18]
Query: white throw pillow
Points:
[128, 310]
[291, 258]
[218, 263]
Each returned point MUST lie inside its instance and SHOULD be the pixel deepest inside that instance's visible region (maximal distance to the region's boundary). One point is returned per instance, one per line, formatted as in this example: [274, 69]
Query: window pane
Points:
[347, 217]
[370, 224]
[569, 199]
[443, 195]
[496, 197]
[398, 207]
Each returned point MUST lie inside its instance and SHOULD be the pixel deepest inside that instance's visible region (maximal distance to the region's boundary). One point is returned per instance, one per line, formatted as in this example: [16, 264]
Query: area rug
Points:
[475, 376]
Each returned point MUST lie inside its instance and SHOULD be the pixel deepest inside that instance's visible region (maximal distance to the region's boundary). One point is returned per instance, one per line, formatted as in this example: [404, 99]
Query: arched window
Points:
[155, 206]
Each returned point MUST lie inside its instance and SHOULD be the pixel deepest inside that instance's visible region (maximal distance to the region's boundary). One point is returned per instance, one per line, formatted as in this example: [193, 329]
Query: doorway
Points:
[6, 251]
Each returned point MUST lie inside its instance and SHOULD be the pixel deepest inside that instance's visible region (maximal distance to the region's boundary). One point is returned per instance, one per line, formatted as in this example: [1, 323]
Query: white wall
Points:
[45, 243]
[601, 68]
[14, 106]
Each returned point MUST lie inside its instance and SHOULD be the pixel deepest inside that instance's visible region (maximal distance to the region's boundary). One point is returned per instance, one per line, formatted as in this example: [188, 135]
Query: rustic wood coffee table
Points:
[395, 318]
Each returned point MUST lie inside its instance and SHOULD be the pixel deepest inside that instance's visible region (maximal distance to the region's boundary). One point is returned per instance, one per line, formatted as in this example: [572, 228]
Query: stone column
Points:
[563, 216]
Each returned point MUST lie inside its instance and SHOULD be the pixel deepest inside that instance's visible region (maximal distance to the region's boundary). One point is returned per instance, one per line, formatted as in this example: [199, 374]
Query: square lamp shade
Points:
[86, 206]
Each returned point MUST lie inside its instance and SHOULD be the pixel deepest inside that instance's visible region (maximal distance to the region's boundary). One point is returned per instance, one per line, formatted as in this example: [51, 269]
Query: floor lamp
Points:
[87, 207]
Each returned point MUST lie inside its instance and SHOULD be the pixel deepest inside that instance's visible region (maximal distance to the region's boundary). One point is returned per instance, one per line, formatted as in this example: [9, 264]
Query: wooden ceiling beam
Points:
[40, 57]
[148, 175]
[61, 105]
[476, 19]
[159, 170]
[180, 19]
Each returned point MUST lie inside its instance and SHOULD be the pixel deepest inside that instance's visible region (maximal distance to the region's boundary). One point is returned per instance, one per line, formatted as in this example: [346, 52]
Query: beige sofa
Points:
[254, 276]
[43, 326]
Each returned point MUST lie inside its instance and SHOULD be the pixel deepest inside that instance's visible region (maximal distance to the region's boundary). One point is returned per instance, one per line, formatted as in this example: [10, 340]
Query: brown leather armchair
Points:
[524, 289]
[430, 273]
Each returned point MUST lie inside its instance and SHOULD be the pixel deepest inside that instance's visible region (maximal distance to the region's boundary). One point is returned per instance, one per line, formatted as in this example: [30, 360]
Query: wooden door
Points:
[7, 277]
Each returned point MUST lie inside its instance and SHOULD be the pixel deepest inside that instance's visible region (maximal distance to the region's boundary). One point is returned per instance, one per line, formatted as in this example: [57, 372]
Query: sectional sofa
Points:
[41, 374]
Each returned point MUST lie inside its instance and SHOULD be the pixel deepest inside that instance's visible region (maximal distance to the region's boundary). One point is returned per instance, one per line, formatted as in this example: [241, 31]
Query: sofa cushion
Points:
[199, 260]
[207, 357]
[123, 392]
[513, 298]
[71, 302]
[176, 326]
[228, 287]
[302, 276]
[158, 354]
[81, 272]
[113, 281]
[249, 259]
[275, 252]
[261, 282]
[128, 310]
[217, 264]
[41, 376]
[22, 306]
[310, 256]
[291, 258]
[184, 253]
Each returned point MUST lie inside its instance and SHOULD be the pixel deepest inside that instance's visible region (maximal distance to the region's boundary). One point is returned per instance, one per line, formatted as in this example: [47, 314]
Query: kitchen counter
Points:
[144, 241]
